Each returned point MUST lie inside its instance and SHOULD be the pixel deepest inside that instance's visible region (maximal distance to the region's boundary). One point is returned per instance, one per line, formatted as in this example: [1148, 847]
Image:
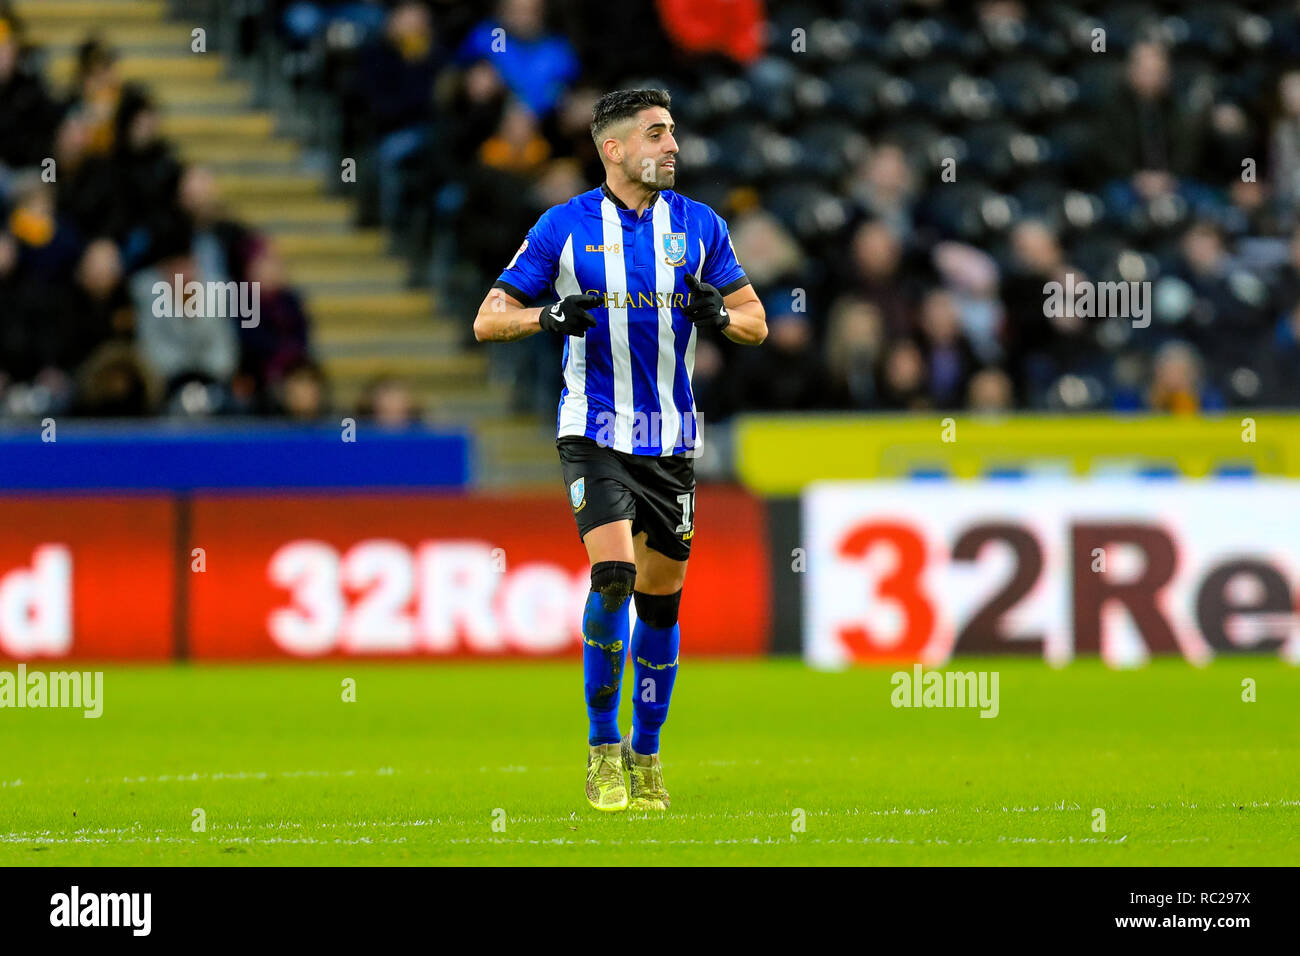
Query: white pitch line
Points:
[589, 841]
[262, 775]
[242, 775]
[139, 834]
[793, 841]
[680, 817]
[255, 841]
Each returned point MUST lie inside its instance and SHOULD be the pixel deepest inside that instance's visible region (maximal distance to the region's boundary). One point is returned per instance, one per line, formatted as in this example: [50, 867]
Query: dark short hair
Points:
[622, 104]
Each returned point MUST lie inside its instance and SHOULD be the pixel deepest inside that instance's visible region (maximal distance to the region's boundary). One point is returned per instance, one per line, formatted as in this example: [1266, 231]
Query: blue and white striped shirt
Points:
[627, 382]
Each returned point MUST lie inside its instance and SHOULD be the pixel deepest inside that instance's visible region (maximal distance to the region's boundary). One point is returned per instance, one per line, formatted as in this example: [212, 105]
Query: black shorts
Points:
[656, 493]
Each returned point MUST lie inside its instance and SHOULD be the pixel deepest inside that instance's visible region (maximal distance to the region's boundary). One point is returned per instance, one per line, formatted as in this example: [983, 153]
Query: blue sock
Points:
[654, 666]
[604, 652]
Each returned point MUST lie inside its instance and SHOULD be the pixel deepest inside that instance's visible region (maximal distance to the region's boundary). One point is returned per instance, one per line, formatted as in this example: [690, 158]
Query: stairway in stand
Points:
[366, 321]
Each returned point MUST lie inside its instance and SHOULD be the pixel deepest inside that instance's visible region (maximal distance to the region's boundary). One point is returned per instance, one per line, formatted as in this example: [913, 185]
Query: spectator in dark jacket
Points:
[854, 339]
[949, 357]
[876, 274]
[149, 173]
[43, 249]
[99, 305]
[395, 89]
[1231, 317]
[1038, 346]
[903, 378]
[785, 373]
[1284, 141]
[27, 111]
[1149, 136]
[280, 341]
[222, 246]
[90, 190]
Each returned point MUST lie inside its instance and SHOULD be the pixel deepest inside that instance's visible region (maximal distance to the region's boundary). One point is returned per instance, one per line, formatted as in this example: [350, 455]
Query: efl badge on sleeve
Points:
[675, 248]
[520, 252]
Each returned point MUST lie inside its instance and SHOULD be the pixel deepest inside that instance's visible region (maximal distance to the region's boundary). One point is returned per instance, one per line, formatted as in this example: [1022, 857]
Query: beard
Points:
[663, 178]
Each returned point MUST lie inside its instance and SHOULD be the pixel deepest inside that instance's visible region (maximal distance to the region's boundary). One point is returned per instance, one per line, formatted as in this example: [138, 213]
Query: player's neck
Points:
[632, 195]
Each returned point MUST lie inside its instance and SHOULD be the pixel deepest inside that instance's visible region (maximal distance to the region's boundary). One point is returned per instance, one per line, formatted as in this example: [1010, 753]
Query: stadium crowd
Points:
[96, 209]
[901, 180]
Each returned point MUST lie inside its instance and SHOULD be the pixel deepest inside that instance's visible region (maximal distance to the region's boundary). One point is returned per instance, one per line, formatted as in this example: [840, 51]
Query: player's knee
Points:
[613, 581]
[658, 610]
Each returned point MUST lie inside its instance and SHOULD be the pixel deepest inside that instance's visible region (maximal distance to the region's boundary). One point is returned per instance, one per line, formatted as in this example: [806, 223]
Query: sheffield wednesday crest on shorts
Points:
[578, 494]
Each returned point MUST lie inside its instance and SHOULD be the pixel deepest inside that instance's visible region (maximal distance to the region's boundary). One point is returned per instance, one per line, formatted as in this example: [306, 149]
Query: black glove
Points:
[570, 315]
[704, 307]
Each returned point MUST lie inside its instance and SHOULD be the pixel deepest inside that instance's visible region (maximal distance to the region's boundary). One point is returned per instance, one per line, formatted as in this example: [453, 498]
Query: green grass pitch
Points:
[430, 757]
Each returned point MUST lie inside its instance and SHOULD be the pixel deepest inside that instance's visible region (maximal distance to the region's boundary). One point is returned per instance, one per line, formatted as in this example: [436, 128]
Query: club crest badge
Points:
[578, 494]
[674, 248]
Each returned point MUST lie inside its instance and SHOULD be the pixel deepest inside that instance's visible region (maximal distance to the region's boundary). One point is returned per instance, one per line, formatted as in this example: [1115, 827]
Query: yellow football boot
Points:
[606, 789]
[646, 774]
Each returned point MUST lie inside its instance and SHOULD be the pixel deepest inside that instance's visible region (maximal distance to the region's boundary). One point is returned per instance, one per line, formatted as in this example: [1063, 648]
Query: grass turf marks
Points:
[767, 762]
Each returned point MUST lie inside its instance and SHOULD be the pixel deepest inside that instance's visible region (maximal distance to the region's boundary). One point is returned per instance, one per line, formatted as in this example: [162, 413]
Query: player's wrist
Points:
[569, 316]
[705, 305]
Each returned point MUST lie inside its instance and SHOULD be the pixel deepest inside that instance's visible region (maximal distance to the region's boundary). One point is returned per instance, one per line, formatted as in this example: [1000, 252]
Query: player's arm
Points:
[748, 325]
[503, 318]
[739, 315]
[722, 297]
